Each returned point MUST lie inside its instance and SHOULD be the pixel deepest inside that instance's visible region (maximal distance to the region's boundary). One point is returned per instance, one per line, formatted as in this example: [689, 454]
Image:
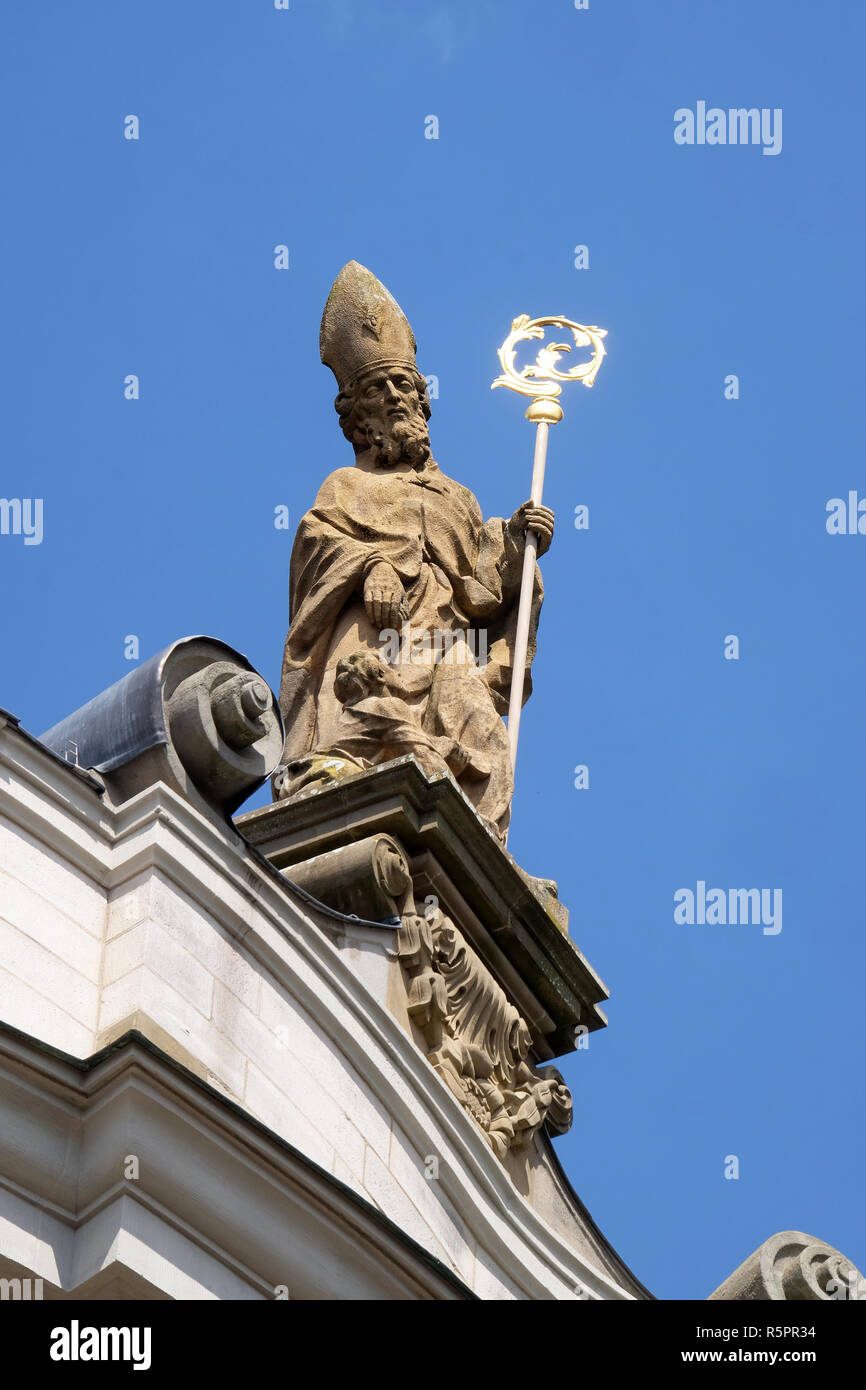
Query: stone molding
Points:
[222, 1208]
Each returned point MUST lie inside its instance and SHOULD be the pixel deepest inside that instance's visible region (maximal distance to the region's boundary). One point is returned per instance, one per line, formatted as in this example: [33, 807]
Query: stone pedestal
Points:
[482, 973]
[514, 923]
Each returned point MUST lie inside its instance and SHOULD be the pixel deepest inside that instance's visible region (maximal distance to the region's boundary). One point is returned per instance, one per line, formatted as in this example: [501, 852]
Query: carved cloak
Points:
[457, 571]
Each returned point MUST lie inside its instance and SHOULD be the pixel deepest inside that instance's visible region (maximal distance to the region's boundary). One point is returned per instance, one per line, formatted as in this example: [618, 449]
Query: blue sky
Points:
[306, 127]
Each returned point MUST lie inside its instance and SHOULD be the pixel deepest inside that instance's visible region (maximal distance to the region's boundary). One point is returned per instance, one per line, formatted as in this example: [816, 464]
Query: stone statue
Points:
[403, 600]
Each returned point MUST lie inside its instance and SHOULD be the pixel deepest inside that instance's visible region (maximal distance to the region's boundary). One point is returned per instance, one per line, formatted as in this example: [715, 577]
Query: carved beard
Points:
[396, 441]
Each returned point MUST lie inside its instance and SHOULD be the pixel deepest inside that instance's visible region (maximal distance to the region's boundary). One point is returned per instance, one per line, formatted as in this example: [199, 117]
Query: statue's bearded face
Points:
[384, 413]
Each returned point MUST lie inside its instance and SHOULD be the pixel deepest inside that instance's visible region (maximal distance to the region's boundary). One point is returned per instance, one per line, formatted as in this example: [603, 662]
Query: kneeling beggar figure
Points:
[403, 599]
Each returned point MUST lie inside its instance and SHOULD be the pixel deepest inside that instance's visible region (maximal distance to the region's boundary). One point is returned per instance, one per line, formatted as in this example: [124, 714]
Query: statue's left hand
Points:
[532, 518]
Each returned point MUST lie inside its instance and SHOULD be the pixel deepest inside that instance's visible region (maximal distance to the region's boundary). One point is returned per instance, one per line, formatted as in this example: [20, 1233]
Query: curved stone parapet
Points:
[793, 1267]
[255, 1046]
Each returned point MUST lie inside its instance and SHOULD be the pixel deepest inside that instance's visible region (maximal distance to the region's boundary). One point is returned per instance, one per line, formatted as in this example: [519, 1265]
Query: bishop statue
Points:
[403, 599]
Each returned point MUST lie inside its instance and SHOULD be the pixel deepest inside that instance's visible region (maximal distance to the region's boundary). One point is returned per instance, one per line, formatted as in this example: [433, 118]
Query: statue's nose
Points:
[391, 391]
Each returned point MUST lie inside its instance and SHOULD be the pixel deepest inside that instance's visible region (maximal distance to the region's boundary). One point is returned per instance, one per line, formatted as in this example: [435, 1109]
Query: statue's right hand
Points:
[384, 599]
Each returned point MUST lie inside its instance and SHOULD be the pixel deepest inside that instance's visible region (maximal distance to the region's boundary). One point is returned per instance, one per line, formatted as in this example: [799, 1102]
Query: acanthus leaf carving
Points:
[477, 1041]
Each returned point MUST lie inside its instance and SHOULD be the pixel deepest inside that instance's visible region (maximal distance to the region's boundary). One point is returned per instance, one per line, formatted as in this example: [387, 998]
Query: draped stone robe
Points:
[458, 572]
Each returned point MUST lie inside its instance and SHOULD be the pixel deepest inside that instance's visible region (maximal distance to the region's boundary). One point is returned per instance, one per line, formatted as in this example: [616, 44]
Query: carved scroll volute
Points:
[804, 1269]
[558, 1101]
[476, 1039]
[793, 1267]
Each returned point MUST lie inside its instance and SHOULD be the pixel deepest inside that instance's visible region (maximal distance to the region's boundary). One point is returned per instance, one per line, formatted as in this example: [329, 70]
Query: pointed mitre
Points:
[363, 326]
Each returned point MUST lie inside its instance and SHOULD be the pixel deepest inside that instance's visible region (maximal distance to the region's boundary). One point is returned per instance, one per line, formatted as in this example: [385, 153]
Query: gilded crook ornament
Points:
[541, 378]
